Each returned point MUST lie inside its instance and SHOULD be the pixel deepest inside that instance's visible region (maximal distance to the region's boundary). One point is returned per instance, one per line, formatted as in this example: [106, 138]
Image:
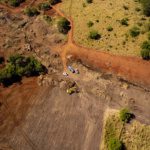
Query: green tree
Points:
[19, 66]
[63, 25]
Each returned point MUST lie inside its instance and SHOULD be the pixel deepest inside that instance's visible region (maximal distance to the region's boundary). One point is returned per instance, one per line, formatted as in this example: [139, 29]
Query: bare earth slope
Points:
[47, 118]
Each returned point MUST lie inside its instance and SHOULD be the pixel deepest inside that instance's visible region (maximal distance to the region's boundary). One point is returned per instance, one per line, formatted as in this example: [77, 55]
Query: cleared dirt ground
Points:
[42, 119]
[34, 117]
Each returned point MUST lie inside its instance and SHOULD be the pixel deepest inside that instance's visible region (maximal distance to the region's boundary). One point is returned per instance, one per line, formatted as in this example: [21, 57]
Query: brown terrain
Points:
[38, 113]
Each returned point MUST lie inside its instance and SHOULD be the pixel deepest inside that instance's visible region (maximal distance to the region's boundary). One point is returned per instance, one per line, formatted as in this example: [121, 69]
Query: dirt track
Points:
[43, 120]
[35, 118]
[131, 68]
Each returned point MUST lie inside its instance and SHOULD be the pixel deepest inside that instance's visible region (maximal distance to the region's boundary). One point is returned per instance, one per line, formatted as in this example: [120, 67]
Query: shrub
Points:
[89, 1]
[134, 31]
[31, 11]
[124, 21]
[48, 19]
[137, 9]
[146, 7]
[115, 144]
[125, 115]
[63, 25]
[94, 35]
[145, 53]
[146, 45]
[1, 59]
[44, 6]
[19, 66]
[83, 4]
[125, 7]
[109, 28]
[8, 75]
[53, 2]
[90, 24]
[15, 3]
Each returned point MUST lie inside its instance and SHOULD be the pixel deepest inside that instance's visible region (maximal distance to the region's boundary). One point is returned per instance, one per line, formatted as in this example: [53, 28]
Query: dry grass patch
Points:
[104, 14]
[133, 135]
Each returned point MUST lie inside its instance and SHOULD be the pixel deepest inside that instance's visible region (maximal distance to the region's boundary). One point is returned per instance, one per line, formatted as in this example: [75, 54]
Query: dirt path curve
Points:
[131, 68]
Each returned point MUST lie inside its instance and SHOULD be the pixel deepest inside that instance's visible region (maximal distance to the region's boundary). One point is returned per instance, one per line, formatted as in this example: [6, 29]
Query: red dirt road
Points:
[131, 68]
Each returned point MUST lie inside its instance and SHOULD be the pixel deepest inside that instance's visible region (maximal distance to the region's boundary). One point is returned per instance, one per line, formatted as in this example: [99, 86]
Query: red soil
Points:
[131, 68]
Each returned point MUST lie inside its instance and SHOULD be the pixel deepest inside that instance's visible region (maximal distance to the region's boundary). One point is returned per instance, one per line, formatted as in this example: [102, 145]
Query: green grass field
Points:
[105, 15]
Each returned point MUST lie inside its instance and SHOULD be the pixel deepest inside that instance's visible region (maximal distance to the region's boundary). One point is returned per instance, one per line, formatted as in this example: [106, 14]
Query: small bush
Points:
[147, 27]
[83, 4]
[125, 115]
[124, 21]
[63, 25]
[53, 2]
[146, 7]
[125, 7]
[137, 9]
[146, 45]
[135, 31]
[1, 59]
[110, 28]
[145, 53]
[31, 11]
[8, 75]
[115, 144]
[48, 19]
[44, 6]
[94, 35]
[90, 24]
[15, 3]
[89, 1]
